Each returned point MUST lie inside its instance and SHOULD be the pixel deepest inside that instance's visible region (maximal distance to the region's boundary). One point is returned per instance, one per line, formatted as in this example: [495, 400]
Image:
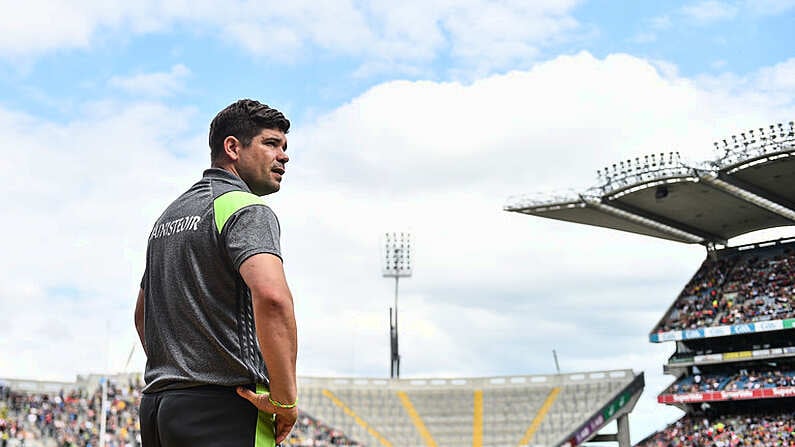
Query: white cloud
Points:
[492, 292]
[158, 84]
[476, 33]
[80, 194]
[710, 11]
[772, 85]
[779, 78]
[769, 7]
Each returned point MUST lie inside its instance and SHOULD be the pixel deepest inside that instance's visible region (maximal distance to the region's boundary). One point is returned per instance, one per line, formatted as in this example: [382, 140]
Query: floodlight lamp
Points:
[397, 255]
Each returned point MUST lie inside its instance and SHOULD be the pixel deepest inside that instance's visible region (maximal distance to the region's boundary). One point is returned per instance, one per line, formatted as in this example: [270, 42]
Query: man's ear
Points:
[232, 148]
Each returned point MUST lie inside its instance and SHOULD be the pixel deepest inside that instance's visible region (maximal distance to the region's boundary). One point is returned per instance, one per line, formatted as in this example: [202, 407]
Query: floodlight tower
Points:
[397, 264]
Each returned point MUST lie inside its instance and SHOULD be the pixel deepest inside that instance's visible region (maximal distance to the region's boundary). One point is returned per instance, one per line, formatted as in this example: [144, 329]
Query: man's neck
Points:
[229, 167]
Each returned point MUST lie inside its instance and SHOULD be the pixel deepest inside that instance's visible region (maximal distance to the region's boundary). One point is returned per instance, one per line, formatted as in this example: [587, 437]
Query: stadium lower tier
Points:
[556, 410]
[69, 419]
[518, 411]
[732, 430]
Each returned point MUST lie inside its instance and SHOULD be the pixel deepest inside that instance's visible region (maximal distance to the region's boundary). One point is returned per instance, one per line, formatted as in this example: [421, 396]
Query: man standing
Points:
[214, 313]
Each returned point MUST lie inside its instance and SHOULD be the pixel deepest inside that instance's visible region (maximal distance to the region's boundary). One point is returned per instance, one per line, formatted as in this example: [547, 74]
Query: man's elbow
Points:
[272, 301]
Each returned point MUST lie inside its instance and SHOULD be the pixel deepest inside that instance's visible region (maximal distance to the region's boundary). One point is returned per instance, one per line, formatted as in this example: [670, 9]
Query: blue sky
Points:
[312, 76]
[424, 118]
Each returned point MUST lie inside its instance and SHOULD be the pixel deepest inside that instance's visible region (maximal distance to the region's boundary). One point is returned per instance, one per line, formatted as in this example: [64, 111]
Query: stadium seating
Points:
[739, 287]
[739, 378]
[735, 430]
[62, 414]
[499, 411]
[736, 380]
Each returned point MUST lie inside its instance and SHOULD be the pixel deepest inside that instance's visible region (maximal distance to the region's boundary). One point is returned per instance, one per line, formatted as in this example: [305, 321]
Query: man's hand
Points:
[285, 417]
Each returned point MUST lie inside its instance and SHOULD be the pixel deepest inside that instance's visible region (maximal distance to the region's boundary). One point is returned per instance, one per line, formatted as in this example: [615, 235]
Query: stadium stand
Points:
[733, 322]
[736, 377]
[497, 411]
[735, 430]
[62, 414]
[735, 361]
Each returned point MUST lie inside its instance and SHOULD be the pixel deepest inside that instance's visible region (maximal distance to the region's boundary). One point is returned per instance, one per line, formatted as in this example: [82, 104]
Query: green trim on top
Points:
[266, 432]
[229, 203]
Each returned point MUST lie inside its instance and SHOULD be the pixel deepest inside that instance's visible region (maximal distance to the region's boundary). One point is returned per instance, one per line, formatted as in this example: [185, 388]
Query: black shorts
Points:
[205, 416]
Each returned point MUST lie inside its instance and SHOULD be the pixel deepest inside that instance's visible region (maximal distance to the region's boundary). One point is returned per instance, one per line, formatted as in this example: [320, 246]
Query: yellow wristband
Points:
[281, 405]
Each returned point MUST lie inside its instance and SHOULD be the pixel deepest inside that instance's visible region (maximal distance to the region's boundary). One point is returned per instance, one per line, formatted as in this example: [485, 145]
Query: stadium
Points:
[733, 365]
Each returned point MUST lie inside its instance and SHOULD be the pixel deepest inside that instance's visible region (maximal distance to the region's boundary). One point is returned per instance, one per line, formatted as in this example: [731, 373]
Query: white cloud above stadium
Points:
[424, 118]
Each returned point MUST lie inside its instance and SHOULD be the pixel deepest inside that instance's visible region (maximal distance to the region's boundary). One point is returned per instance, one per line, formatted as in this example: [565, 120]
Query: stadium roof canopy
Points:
[750, 186]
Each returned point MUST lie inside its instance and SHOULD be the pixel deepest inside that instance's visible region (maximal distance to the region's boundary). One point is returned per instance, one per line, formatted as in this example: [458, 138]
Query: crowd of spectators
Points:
[70, 419]
[739, 379]
[747, 287]
[739, 430]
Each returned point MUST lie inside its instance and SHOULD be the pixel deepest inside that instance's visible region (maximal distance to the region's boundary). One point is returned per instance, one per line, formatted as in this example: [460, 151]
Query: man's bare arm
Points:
[139, 318]
[274, 318]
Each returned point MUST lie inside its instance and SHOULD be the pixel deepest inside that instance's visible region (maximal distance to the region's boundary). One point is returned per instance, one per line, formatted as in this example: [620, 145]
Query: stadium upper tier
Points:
[743, 290]
[554, 410]
[749, 186]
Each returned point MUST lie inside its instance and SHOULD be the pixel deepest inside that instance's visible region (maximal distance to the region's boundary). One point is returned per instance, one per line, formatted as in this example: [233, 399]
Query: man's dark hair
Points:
[243, 120]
